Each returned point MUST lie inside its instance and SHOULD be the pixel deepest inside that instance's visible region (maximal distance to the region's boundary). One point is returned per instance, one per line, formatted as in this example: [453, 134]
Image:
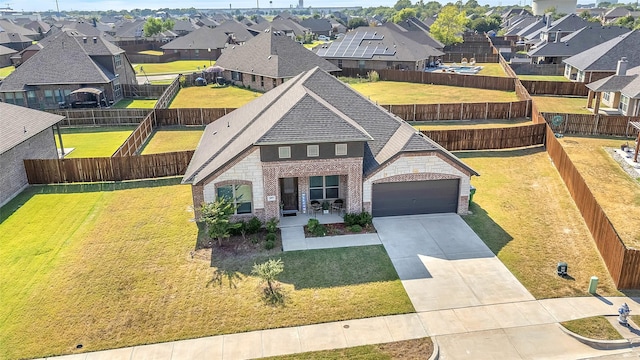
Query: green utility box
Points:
[593, 285]
[471, 192]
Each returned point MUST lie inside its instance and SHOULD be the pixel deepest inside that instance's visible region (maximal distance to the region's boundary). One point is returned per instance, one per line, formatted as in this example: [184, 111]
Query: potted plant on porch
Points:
[325, 207]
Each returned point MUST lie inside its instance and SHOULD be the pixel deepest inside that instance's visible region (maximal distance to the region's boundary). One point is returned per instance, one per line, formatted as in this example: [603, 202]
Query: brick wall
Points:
[260, 83]
[419, 168]
[13, 177]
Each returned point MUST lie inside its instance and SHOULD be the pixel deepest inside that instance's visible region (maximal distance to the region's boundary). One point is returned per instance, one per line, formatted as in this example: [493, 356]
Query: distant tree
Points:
[155, 26]
[357, 22]
[449, 25]
[240, 17]
[484, 24]
[626, 21]
[429, 9]
[586, 15]
[403, 15]
[402, 4]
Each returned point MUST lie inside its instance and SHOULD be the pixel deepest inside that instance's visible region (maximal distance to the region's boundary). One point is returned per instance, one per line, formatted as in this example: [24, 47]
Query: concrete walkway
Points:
[466, 301]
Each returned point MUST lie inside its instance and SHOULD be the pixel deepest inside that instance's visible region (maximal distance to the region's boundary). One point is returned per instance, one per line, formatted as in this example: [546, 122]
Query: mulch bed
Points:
[340, 229]
[236, 246]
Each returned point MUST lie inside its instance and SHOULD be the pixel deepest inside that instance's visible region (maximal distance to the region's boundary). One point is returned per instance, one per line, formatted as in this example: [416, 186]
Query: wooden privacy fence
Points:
[170, 92]
[100, 117]
[145, 91]
[436, 78]
[50, 171]
[623, 263]
[589, 124]
[461, 111]
[487, 139]
[189, 116]
[535, 87]
[137, 138]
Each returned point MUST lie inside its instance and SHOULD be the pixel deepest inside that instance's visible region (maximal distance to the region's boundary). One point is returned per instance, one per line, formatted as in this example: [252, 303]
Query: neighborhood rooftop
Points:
[20, 123]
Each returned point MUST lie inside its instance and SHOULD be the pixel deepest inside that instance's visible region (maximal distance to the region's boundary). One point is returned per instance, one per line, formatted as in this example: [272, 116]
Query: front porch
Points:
[301, 219]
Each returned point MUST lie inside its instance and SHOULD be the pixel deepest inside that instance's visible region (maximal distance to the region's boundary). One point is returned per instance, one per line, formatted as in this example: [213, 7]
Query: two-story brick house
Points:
[315, 138]
[70, 63]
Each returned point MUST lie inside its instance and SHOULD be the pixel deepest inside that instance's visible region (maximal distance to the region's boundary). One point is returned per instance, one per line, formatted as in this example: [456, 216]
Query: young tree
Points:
[216, 216]
[357, 22]
[403, 15]
[155, 26]
[449, 25]
[402, 4]
[268, 271]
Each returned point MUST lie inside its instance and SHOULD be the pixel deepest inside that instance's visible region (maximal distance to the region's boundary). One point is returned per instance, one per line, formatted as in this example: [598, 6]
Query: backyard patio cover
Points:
[87, 90]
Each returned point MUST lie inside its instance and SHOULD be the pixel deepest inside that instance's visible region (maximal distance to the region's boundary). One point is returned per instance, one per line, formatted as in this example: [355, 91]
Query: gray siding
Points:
[299, 151]
[13, 177]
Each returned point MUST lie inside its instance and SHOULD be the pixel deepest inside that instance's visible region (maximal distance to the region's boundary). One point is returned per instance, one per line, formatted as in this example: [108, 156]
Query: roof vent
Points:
[269, 57]
[95, 40]
[84, 39]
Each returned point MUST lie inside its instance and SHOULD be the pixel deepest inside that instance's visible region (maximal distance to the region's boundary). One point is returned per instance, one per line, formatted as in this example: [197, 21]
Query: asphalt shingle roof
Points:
[63, 60]
[579, 41]
[20, 123]
[628, 85]
[204, 38]
[316, 25]
[605, 56]
[309, 107]
[272, 54]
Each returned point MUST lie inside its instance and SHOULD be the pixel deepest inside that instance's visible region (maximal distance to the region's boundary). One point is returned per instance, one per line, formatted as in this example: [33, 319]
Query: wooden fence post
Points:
[438, 117]
[461, 111]
[93, 116]
[486, 111]
[414, 112]
[595, 124]
[510, 105]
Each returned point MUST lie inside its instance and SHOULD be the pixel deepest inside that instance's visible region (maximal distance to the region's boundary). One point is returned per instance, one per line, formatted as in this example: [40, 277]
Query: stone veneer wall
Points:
[420, 167]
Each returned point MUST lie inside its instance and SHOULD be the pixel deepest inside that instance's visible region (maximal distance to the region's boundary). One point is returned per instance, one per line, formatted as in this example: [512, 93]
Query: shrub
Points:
[320, 230]
[355, 228]
[269, 244]
[271, 225]
[312, 224]
[365, 219]
[351, 219]
[254, 239]
[254, 225]
[240, 228]
[373, 76]
[271, 237]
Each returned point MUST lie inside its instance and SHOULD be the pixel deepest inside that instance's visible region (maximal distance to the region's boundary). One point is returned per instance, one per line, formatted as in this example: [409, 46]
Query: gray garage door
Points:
[415, 197]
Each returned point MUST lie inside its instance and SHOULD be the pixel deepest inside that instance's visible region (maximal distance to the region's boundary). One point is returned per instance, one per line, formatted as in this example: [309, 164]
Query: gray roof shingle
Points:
[203, 38]
[274, 55]
[605, 56]
[579, 41]
[20, 123]
[309, 108]
[628, 85]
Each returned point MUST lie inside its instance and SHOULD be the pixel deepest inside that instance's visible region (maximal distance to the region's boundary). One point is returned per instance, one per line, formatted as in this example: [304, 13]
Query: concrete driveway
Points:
[443, 264]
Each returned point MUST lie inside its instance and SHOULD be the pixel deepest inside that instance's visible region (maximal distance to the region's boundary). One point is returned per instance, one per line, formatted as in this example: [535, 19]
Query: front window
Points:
[606, 96]
[118, 60]
[284, 152]
[360, 64]
[624, 104]
[239, 195]
[236, 76]
[341, 149]
[323, 187]
[117, 89]
[313, 150]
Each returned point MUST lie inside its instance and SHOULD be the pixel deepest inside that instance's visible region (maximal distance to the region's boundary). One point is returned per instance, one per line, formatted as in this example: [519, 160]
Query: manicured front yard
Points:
[93, 142]
[398, 350]
[109, 269]
[559, 104]
[615, 190]
[135, 104]
[169, 140]
[471, 124]
[597, 327]
[524, 213]
[173, 67]
[213, 97]
[395, 92]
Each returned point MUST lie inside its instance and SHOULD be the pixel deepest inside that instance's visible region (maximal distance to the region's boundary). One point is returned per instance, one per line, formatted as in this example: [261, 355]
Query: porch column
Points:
[590, 99]
[596, 108]
[354, 188]
[635, 157]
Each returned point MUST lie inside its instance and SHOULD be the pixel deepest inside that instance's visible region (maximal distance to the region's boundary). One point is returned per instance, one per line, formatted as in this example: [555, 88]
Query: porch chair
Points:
[338, 205]
[315, 207]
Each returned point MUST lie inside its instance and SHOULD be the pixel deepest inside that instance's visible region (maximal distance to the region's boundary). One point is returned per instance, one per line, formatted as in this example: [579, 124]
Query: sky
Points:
[44, 5]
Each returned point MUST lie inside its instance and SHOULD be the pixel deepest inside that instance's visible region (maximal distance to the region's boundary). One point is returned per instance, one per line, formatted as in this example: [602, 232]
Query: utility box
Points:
[562, 269]
[593, 285]
[472, 191]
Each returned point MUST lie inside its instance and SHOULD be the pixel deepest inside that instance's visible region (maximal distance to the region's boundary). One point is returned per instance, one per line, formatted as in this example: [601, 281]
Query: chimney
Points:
[95, 40]
[548, 21]
[621, 70]
[557, 36]
[84, 39]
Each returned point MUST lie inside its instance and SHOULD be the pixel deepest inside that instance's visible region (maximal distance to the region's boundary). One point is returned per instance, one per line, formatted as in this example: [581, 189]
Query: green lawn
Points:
[597, 327]
[173, 67]
[161, 82]
[151, 52]
[135, 104]
[398, 350]
[394, 92]
[109, 269]
[213, 96]
[94, 142]
[559, 78]
[491, 69]
[5, 71]
[471, 124]
[524, 213]
[617, 193]
[169, 140]
[559, 104]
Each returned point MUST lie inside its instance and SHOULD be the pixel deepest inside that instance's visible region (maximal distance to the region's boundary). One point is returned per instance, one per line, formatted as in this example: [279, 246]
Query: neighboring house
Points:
[600, 61]
[289, 27]
[204, 43]
[184, 27]
[315, 138]
[620, 91]
[616, 13]
[318, 26]
[15, 36]
[91, 69]
[337, 27]
[378, 48]
[413, 24]
[205, 21]
[24, 134]
[416, 33]
[268, 60]
[574, 43]
[523, 22]
[5, 56]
